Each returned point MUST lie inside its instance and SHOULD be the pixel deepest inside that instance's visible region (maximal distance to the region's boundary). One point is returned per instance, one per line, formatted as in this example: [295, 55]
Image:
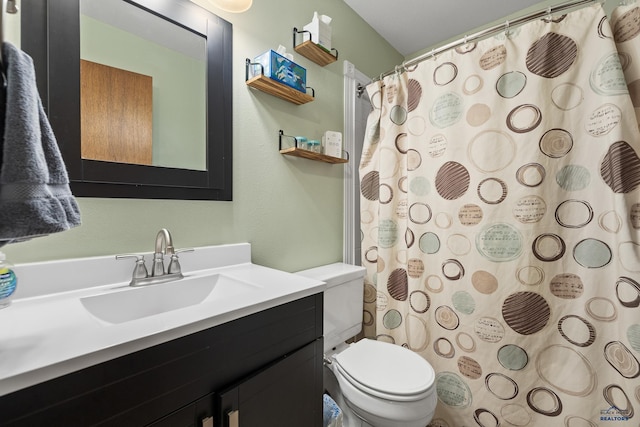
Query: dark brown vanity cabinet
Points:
[266, 366]
[283, 394]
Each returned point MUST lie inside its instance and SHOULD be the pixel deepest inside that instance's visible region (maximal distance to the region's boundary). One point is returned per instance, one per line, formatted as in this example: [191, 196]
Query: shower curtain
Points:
[500, 206]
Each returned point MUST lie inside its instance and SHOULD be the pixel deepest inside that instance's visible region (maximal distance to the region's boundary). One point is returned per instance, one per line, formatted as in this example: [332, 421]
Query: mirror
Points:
[180, 117]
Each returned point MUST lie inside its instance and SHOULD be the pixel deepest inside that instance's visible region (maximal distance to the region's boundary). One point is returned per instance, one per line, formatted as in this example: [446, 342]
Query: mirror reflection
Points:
[143, 88]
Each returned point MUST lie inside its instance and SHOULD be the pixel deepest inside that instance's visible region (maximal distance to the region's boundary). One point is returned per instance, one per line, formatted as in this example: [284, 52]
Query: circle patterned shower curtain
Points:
[500, 206]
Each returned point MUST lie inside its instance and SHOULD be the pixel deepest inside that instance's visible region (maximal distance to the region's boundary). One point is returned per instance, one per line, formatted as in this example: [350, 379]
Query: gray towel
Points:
[35, 199]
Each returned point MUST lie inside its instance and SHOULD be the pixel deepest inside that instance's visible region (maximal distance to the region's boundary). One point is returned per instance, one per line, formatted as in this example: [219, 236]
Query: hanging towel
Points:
[35, 198]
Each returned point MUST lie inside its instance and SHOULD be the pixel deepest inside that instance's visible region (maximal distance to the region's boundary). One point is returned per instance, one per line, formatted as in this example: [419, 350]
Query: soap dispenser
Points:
[8, 281]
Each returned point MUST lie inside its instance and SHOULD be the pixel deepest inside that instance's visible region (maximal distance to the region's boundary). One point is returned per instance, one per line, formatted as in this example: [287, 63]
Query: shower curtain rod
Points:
[487, 32]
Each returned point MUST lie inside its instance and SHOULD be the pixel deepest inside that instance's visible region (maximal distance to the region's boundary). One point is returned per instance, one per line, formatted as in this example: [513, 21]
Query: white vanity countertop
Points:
[47, 332]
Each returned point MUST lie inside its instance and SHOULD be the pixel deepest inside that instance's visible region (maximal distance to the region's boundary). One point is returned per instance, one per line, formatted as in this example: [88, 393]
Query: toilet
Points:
[375, 383]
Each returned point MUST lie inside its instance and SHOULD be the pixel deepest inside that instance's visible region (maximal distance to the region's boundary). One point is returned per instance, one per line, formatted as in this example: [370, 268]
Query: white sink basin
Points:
[91, 316]
[130, 303]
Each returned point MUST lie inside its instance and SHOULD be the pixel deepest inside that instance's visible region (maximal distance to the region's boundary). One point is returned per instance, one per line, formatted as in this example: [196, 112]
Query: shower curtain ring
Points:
[549, 17]
[404, 67]
[507, 32]
[433, 54]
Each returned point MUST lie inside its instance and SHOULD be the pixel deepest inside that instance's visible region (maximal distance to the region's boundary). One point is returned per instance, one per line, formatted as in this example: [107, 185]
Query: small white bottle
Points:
[8, 282]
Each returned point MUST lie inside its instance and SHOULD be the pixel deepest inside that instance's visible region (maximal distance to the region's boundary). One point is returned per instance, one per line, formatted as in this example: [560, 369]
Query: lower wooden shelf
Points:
[299, 152]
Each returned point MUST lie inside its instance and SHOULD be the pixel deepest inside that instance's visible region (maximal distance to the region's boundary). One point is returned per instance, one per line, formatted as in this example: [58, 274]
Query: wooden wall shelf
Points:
[306, 154]
[314, 51]
[299, 152]
[317, 54]
[272, 87]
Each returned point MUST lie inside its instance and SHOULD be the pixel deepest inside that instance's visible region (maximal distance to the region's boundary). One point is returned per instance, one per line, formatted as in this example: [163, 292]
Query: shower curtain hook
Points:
[404, 67]
[507, 31]
[433, 54]
[549, 17]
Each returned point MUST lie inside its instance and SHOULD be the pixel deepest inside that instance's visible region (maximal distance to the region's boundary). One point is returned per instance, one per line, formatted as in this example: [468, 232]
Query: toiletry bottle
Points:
[314, 145]
[8, 281]
[301, 142]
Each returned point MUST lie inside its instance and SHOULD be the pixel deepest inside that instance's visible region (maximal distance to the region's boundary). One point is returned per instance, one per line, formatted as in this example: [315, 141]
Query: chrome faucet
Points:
[163, 246]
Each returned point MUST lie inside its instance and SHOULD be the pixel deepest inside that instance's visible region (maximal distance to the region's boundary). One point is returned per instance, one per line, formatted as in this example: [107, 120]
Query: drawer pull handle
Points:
[234, 418]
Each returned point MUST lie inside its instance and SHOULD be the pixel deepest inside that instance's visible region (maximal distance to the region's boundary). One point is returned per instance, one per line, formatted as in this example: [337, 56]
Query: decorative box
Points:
[281, 69]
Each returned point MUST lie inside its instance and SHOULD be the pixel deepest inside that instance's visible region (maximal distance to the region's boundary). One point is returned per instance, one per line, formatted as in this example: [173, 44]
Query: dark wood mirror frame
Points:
[50, 34]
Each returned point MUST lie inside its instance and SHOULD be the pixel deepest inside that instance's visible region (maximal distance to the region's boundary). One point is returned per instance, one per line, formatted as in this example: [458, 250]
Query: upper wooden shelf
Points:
[314, 51]
[272, 87]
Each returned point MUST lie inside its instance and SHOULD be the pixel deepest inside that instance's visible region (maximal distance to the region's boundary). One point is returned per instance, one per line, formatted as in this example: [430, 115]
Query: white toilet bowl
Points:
[385, 385]
[382, 384]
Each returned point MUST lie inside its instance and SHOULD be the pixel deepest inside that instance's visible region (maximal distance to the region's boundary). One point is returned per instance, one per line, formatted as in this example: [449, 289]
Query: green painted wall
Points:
[289, 209]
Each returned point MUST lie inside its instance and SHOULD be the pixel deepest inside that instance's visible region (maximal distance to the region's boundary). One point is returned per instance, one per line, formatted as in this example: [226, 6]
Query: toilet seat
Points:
[386, 370]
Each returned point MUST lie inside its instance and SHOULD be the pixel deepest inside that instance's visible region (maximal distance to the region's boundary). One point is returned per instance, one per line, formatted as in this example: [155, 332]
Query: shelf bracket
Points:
[248, 64]
[296, 32]
[281, 134]
[313, 91]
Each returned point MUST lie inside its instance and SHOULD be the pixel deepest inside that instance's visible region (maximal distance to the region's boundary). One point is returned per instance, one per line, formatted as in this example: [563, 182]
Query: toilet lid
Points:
[386, 368]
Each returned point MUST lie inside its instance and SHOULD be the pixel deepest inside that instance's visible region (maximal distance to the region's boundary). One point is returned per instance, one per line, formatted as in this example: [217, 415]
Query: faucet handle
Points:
[140, 269]
[174, 264]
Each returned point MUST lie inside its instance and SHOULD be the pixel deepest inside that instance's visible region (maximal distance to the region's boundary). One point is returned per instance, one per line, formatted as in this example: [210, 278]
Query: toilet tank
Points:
[343, 300]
